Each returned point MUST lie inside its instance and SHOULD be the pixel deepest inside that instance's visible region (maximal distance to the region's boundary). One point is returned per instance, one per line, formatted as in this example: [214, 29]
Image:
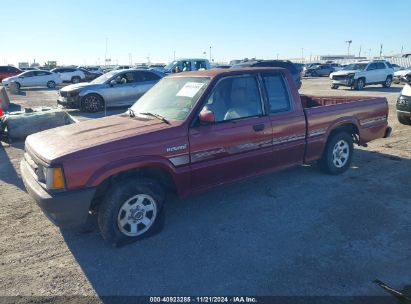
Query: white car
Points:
[358, 75]
[73, 75]
[34, 78]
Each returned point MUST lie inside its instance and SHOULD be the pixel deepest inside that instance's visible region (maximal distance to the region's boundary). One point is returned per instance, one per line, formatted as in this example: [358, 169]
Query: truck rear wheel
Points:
[337, 156]
[130, 210]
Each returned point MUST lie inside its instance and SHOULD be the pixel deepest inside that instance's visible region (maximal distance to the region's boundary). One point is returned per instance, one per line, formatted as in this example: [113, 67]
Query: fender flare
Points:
[128, 164]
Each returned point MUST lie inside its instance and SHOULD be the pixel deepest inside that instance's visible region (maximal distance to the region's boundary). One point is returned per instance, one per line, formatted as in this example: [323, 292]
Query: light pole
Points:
[349, 44]
[210, 55]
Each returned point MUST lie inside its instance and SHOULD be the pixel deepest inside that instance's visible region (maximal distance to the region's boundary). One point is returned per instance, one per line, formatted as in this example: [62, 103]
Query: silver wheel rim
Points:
[388, 82]
[51, 84]
[137, 215]
[341, 153]
[92, 103]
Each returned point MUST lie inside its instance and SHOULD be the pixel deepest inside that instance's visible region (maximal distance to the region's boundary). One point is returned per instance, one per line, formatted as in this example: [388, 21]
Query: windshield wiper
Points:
[158, 116]
[131, 112]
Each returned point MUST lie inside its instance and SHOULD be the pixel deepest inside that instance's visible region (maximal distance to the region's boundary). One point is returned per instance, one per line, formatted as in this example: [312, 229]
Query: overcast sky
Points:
[75, 32]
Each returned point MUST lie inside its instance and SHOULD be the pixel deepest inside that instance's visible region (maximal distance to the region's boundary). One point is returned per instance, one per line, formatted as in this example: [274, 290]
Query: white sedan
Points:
[34, 78]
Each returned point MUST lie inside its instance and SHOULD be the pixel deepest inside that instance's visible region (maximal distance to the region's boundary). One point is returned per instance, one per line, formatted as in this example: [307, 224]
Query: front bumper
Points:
[68, 209]
[70, 101]
[346, 81]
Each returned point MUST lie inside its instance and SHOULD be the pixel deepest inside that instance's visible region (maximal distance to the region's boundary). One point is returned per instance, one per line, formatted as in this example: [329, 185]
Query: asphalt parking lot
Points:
[295, 232]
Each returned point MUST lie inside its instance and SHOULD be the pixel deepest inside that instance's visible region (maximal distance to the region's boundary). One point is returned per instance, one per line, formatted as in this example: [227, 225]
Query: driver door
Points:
[238, 143]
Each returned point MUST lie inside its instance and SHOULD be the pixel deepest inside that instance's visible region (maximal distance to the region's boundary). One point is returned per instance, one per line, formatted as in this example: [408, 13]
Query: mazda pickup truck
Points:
[190, 132]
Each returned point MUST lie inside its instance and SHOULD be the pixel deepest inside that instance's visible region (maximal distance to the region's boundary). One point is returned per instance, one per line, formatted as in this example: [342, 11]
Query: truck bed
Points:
[325, 113]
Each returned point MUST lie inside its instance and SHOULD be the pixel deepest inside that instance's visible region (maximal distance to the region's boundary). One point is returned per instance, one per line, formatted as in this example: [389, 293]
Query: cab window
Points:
[235, 98]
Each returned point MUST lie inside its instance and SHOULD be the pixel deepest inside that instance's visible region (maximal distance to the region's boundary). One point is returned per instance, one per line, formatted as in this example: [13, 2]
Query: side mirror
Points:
[206, 117]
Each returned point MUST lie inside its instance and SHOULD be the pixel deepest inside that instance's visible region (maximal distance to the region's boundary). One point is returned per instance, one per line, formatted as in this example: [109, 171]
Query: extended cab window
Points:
[277, 95]
[235, 98]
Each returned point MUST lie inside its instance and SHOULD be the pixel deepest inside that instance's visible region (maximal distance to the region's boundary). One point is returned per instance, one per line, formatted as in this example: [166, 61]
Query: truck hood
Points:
[52, 144]
[77, 86]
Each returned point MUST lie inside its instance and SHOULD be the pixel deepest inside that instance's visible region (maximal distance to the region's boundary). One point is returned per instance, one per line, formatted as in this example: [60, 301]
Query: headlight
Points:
[54, 178]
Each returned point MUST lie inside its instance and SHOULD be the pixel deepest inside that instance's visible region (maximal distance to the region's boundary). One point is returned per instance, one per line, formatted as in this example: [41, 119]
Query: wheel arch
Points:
[86, 93]
[153, 171]
[349, 126]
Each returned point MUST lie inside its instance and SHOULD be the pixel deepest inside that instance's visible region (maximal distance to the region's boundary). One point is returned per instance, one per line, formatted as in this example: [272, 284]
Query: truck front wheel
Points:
[337, 155]
[130, 210]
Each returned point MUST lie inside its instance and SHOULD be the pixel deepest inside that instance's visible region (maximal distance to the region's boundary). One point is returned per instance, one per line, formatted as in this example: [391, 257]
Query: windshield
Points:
[103, 78]
[172, 98]
[356, 66]
[170, 65]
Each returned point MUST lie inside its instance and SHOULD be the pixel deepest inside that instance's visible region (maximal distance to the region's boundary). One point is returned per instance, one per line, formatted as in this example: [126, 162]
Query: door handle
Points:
[259, 127]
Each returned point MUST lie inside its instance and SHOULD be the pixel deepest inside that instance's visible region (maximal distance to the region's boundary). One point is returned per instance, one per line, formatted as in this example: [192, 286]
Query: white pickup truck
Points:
[358, 75]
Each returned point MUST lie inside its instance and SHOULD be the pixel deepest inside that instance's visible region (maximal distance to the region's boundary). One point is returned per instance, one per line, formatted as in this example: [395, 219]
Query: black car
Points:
[274, 64]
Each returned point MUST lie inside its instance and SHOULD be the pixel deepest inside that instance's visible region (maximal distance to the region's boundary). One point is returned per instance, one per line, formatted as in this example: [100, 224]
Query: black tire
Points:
[334, 87]
[18, 85]
[405, 120]
[111, 212]
[359, 84]
[314, 74]
[92, 103]
[51, 84]
[75, 79]
[387, 82]
[328, 162]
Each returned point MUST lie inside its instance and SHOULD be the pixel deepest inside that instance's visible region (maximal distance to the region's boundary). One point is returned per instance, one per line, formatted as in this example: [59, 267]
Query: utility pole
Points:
[380, 50]
[349, 44]
[210, 55]
[369, 54]
[359, 53]
[174, 55]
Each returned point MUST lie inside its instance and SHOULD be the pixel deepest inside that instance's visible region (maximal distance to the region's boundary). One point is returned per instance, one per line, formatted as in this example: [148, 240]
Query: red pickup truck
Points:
[190, 132]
